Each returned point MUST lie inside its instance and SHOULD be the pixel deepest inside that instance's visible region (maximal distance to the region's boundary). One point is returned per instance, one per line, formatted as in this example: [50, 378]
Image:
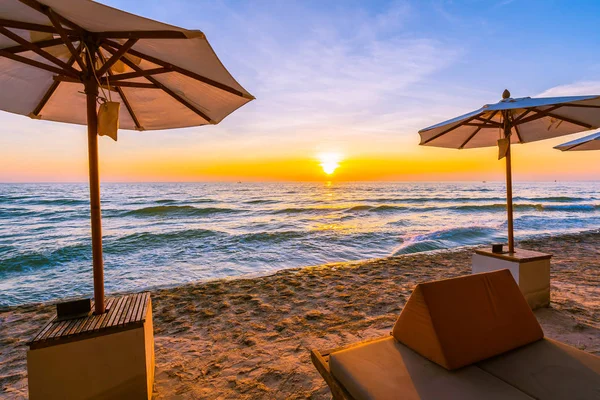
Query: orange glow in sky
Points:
[341, 92]
[65, 159]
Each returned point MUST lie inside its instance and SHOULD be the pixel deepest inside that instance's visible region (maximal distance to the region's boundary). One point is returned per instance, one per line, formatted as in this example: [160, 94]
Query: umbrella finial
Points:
[505, 94]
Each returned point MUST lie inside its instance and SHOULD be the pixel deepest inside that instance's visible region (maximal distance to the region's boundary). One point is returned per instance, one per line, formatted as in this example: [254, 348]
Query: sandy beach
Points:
[250, 338]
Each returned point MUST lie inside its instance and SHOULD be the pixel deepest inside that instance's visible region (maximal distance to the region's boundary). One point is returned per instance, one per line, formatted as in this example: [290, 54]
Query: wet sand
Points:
[250, 338]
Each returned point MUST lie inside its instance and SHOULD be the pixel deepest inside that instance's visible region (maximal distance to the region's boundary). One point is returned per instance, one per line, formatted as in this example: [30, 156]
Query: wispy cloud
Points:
[574, 89]
[504, 3]
[329, 77]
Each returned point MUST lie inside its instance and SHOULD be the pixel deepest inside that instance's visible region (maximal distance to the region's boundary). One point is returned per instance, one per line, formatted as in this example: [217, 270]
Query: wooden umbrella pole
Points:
[91, 92]
[509, 195]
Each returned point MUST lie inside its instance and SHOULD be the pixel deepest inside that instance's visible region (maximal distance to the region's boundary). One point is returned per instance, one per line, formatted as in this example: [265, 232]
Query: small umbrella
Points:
[590, 142]
[520, 120]
[56, 55]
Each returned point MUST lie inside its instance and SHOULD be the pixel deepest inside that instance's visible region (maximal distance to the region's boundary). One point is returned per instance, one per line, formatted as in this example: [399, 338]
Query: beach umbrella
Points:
[590, 142]
[520, 120]
[82, 62]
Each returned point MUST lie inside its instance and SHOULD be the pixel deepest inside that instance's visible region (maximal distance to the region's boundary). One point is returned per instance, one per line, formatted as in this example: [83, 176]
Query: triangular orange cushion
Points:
[456, 322]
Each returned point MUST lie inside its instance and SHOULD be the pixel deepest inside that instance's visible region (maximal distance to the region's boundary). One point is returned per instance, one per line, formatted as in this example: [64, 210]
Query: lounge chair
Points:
[471, 337]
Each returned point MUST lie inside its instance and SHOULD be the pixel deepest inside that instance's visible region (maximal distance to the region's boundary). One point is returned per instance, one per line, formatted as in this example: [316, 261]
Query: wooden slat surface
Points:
[142, 316]
[123, 312]
[132, 315]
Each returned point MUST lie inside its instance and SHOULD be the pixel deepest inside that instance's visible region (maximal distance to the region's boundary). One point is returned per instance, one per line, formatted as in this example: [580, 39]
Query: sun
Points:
[329, 162]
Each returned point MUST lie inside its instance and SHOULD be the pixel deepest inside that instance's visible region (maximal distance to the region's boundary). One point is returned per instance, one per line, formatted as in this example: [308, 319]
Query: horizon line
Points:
[308, 181]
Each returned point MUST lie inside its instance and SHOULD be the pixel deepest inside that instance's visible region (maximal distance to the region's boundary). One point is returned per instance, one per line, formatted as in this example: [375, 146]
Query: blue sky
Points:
[358, 77]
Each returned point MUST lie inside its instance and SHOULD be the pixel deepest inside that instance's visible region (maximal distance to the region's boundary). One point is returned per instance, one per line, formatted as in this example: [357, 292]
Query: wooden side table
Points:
[104, 356]
[531, 270]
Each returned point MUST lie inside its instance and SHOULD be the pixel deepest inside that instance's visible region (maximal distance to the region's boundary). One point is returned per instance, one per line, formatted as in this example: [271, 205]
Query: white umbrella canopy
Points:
[57, 55]
[531, 119]
[590, 142]
[509, 121]
[196, 87]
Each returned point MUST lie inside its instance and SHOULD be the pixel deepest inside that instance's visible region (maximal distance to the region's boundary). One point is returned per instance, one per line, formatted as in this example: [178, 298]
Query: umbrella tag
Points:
[503, 147]
[108, 119]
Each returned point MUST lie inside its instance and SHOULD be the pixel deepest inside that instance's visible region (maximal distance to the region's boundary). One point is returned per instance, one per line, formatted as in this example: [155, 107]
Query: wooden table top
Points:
[520, 255]
[123, 313]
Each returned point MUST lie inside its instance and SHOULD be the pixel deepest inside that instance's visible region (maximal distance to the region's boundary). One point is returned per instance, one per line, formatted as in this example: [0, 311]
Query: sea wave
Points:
[571, 207]
[183, 211]
[557, 199]
[431, 199]
[302, 210]
[447, 238]
[270, 237]
[35, 200]
[377, 209]
[359, 208]
[13, 212]
[10, 198]
[38, 259]
[143, 240]
[262, 201]
[522, 206]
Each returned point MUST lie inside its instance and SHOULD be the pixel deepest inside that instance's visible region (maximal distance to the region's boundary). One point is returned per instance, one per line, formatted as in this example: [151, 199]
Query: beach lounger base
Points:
[383, 368]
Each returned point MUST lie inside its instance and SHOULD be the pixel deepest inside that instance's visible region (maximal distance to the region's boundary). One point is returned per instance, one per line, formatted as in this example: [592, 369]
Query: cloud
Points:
[573, 89]
[330, 76]
[504, 3]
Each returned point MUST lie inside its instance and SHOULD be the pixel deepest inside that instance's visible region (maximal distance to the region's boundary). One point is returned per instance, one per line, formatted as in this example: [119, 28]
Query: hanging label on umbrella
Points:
[503, 147]
[108, 119]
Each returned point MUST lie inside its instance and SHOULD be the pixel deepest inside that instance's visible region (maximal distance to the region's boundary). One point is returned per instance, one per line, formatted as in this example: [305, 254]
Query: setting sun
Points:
[329, 162]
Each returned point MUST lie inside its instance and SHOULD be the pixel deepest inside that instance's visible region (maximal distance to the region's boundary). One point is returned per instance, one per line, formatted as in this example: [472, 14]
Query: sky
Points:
[354, 80]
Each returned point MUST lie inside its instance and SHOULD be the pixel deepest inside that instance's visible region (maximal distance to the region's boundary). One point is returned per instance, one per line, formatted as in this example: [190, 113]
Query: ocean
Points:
[164, 234]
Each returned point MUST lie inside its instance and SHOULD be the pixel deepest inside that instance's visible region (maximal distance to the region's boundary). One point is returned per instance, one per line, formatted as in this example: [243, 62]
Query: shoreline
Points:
[174, 286]
[249, 337]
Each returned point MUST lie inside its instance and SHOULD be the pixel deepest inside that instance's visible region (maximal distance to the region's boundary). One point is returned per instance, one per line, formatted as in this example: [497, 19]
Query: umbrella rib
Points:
[469, 138]
[168, 91]
[542, 113]
[477, 130]
[115, 57]
[123, 97]
[489, 121]
[142, 85]
[580, 105]
[65, 37]
[146, 72]
[512, 120]
[130, 109]
[41, 44]
[183, 71]
[575, 145]
[33, 63]
[7, 23]
[36, 111]
[139, 85]
[44, 9]
[165, 34]
[516, 120]
[448, 130]
[522, 120]
[30, 46]
[482, 125]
